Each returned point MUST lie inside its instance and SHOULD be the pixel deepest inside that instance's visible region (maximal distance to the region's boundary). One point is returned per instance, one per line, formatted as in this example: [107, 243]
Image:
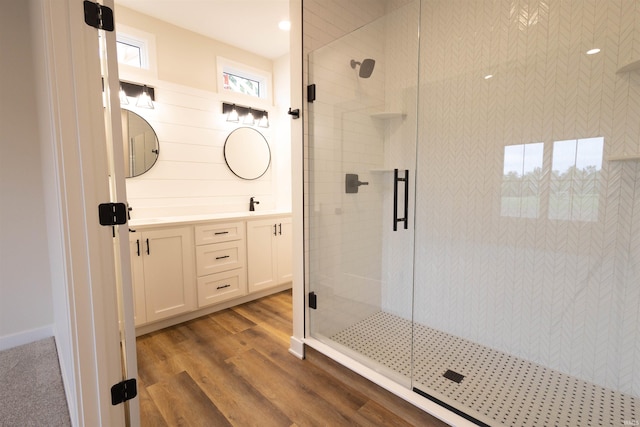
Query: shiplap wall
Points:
[191, 176]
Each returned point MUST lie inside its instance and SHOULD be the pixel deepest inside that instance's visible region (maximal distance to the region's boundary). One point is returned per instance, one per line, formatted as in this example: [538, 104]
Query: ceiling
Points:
[251, 25]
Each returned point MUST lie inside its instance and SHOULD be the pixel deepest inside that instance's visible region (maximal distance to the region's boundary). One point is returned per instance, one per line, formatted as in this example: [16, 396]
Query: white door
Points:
[116, 179]
[94, 317]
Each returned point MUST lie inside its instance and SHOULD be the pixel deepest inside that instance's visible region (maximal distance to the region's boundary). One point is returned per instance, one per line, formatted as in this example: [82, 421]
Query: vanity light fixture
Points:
[123, 97]
[144, 100]
[247, 115]
[232, 115]
[264, 121]
[145, 95]
[248, 119]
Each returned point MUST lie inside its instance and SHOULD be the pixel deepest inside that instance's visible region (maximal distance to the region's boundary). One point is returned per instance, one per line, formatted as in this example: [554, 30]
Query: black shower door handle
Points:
[396, 179]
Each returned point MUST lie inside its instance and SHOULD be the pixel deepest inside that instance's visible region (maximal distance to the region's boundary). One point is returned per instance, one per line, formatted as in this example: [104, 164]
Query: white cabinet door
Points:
[137, 279]
[261, 254]
[268, 253]
[168, 269]
[284, 243]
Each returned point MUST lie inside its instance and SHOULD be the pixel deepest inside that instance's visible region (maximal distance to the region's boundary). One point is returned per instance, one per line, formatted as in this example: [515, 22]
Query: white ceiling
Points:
[248, 24]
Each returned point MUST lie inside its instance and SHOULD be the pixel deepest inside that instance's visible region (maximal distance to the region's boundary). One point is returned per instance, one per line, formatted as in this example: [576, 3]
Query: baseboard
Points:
[296, 347]
[25, 337]
[165, 323]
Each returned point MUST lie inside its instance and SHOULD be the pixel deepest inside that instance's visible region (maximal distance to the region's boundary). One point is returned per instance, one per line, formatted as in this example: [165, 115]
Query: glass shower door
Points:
[362, 142]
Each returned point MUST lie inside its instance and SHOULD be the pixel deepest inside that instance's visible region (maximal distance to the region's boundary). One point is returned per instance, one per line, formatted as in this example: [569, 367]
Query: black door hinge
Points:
[311, 93]
[313, 300]
[98, 16]
[123, 391]
[112, 213]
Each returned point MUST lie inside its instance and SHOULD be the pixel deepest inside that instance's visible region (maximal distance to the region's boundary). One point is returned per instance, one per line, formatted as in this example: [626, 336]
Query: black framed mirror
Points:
[247, 153]
[141, 145]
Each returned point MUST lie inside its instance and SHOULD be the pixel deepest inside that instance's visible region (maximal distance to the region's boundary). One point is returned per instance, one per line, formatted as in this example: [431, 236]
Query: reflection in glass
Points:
[521, 180]
[129, 54]
[574, 180]
[141, 146]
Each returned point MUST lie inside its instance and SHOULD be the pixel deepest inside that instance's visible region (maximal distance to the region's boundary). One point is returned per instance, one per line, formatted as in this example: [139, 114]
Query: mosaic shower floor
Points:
[497, 389]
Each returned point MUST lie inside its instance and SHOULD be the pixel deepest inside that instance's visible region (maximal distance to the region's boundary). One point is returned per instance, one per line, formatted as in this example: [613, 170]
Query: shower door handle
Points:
[396, 179]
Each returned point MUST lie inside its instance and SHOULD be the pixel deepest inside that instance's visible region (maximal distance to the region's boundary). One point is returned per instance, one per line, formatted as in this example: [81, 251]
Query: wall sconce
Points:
[145, 95]
[250, 116]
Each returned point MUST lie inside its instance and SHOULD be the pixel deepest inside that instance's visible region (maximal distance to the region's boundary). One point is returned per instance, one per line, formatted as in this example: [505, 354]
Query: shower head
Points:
[366, 67]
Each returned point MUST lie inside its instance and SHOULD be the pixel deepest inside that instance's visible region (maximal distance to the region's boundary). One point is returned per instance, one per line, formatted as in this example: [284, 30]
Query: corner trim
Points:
[296, 347]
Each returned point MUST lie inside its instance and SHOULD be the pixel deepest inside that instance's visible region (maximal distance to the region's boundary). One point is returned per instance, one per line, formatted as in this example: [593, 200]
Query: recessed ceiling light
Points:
[284, 25]
[488, 76]
[593, 51]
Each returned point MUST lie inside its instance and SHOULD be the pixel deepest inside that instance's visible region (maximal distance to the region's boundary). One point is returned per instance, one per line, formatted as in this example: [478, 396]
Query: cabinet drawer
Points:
[220, 287]
[216, 233]
[219, 257]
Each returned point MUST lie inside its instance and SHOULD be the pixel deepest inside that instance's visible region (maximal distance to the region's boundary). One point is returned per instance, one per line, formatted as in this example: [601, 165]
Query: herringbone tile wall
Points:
[564, 293]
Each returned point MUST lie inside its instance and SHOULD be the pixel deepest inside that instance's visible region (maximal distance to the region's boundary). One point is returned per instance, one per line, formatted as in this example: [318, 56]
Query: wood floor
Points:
[233, 368]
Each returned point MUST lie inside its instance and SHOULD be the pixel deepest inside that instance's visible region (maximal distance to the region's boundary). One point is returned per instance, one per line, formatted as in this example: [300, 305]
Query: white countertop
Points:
[184, 219]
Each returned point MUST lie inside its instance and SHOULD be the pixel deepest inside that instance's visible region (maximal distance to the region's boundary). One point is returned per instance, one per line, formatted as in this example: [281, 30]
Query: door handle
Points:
[280, 225]
[396, 180]
[138, 246]
[275, 229]
[148, 248]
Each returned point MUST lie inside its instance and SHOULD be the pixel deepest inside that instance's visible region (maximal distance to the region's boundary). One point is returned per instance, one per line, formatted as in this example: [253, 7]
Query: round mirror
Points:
[247, 153]
[141, 146]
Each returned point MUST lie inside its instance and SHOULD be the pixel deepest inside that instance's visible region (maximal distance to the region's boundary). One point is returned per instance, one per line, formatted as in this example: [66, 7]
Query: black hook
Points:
[294, 113]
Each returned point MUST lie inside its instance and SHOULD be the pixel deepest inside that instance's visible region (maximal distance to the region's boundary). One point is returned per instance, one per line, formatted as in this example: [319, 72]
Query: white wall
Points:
[25, 287]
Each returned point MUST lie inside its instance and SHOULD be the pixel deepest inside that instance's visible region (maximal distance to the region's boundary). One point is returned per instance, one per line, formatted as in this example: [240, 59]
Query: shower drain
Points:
[503, 389]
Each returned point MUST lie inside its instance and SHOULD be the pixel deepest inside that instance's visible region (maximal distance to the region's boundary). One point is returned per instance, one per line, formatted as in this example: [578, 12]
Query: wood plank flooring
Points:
[233, 368]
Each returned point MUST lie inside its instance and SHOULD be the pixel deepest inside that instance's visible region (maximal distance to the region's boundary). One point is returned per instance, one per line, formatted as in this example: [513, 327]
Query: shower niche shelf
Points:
[631, 66]
[623, 157]
[386, 115]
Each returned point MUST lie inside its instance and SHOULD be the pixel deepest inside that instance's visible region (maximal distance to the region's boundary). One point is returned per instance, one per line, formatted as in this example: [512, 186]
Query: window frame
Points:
[147, 43]
[264, 79]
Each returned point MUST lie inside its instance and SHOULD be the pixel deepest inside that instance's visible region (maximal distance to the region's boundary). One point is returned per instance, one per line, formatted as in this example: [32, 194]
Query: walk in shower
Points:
[473, 206]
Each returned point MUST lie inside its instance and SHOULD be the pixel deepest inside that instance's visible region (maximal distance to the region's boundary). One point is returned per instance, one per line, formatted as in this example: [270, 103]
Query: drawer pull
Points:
[217, 233]
[222, 257]
[224, 286]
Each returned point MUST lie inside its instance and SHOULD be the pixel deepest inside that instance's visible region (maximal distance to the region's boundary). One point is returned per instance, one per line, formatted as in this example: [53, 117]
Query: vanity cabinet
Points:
[162, 264]
[268, 253]
[182, 271]
[220, 262]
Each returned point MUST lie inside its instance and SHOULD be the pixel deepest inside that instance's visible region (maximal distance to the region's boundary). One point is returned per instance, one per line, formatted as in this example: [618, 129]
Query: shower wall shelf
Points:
[631, 66]
[623, 157]
[386, 115]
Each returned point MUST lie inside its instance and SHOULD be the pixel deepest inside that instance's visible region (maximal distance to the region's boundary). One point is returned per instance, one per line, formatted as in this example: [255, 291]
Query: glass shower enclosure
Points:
[362, 163]
[473, 206]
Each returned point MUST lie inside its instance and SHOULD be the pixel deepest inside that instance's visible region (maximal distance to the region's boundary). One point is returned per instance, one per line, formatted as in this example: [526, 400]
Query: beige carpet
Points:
[31, 390]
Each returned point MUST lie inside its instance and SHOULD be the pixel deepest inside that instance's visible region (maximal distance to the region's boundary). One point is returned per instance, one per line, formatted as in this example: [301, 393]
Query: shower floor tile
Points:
[497, 388]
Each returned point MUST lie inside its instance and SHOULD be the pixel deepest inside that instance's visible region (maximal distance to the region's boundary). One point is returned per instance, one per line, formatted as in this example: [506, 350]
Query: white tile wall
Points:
[191, 176]
[560, 293]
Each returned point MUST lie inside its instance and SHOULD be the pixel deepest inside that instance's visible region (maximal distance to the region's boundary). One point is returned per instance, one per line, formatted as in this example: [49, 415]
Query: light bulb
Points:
[233, 115]
[144, 100]
[123, 97]
[248, 119]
